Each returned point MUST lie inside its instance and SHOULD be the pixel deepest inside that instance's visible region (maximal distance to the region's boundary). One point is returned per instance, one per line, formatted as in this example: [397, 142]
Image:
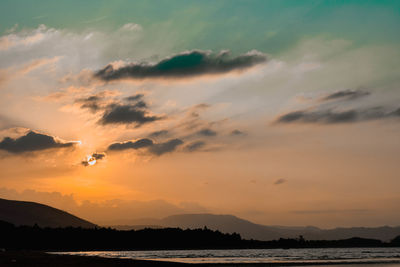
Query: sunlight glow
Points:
[91, 160]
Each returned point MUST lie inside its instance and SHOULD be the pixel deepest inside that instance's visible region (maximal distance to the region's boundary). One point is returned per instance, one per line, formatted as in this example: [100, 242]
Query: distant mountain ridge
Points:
[31, 213]
[249, 230]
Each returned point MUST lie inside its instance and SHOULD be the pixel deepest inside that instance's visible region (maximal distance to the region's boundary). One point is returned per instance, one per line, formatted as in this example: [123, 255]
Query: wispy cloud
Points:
[332, 116]
[141, 143]
[194, 146]
[346, 95]
[165, 147]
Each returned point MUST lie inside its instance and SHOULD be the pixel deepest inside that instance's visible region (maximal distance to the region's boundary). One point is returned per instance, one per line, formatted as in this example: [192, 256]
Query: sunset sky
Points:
[280, 112]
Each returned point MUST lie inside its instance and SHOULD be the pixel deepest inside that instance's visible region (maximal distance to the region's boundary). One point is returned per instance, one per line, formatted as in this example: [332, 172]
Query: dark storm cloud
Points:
[32, 141]
[168, 146]
[194, 146]
[346, 95]
[207, 132]
[126, 114]
[141, 143]
[330, 117]
[186, 64]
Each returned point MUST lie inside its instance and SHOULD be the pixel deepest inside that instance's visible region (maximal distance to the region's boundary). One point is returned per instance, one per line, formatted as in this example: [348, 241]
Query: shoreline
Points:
[25, 258]
[41, 258]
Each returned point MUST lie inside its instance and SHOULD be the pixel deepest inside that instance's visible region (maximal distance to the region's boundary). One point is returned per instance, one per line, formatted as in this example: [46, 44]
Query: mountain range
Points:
[249, 230]
[31, 213]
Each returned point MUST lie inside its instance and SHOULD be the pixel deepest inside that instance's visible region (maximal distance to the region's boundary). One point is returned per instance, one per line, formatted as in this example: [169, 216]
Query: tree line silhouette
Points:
[37, 238]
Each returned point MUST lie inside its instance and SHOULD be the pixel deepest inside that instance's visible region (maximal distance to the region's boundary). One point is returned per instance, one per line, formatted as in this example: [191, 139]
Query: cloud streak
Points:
[332, 117]
[207, 132]
[165, 147]
[346, 95]
[186, 64]
[157, 149]
[195, 146]
[141, 143]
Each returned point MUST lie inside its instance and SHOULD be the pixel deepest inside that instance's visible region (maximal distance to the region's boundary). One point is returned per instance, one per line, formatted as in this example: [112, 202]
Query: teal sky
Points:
[270, 26]
[129, 108]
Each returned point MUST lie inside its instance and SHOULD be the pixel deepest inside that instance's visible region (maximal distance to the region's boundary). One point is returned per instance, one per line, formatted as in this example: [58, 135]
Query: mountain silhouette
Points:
[249, 230]
[31, 213]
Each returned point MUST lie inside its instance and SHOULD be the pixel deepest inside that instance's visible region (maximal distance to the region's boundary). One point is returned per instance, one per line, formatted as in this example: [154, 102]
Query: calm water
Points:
[301, 256]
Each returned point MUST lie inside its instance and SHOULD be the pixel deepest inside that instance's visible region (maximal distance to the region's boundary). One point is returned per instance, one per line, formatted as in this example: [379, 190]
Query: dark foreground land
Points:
[80, 239]
[38, 259]
[24, 258]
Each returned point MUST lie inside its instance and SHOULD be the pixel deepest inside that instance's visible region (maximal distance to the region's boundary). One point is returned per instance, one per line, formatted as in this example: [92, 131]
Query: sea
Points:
[389, 257]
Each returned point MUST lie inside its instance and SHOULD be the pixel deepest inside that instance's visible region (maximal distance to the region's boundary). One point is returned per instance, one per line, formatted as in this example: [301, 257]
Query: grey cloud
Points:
[138, 100]
[154, 148]
[32, 141]
[96, 156]
[237, 132]
[136, 97]
[330, 211]
[126, 114]
[168, 146]
[96, 102]
[159, 133]
[395, 113]
[186, 64]
[207, 132]
[194, 146]
[92, 103]
[330, 117]
[346, 95]
[140, 104]
[141, 143]
[280, 181]
[115, 112]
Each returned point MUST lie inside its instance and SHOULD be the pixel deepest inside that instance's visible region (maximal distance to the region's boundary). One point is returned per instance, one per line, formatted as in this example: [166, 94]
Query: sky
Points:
[279, 112]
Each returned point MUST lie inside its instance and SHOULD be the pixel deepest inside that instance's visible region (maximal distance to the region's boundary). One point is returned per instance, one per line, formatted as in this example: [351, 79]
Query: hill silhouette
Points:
[31, 213]
[249, 230]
